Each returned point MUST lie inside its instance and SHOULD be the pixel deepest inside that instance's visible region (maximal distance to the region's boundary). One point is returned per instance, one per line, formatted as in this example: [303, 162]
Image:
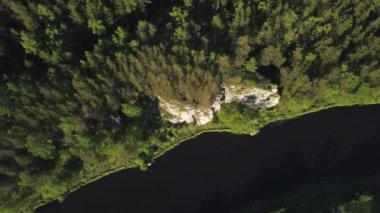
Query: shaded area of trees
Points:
[80, 78]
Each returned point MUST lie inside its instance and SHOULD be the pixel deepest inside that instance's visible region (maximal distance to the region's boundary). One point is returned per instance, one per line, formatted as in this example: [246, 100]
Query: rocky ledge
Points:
[176, 112]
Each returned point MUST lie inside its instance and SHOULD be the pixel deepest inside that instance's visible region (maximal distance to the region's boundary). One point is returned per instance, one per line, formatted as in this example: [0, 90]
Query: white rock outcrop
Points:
[176, 112]
[251, 96]
[179, 112]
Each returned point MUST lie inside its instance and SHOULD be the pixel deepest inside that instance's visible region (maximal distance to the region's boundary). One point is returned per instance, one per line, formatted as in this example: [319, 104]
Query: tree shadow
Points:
[270, 72]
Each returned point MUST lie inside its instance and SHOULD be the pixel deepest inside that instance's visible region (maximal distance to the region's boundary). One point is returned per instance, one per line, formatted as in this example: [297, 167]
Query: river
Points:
[218, 171]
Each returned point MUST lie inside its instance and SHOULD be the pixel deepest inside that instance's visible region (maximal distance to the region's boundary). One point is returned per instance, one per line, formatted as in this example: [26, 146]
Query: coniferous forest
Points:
[79, 79]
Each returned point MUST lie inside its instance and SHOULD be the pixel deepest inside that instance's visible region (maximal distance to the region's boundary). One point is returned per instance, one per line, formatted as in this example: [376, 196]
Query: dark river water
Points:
[216, 171]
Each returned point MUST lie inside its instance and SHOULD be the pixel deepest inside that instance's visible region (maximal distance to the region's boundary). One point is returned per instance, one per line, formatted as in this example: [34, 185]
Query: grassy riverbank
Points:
[232, 118]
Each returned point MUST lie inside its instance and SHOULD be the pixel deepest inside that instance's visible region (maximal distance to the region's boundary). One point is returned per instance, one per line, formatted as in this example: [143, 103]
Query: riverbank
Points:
[232, 118]
[215, 167]
[185, 133]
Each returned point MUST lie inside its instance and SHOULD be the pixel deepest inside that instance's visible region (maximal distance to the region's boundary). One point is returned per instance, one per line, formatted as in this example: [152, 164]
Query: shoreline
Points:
[189, 137]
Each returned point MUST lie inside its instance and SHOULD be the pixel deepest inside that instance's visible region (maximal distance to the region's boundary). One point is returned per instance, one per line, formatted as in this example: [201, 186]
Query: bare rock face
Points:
[251, 96]
[176, 112]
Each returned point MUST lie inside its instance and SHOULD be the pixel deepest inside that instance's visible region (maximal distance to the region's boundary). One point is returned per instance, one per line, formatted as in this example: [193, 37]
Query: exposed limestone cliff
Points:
[251, 96]
[179, 112]
[254, 97]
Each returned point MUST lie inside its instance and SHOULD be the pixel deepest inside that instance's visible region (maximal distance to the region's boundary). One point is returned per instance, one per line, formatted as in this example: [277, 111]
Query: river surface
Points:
[215, 172]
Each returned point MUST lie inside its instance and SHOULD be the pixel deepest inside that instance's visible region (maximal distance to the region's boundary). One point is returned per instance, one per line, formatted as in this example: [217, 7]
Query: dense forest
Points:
[79, 79]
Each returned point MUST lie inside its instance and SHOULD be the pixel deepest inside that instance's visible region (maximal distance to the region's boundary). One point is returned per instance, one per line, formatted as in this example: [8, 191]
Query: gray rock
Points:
[176, 112]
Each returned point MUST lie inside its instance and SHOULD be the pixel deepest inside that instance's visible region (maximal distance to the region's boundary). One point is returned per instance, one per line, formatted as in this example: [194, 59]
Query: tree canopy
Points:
[79, 79]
